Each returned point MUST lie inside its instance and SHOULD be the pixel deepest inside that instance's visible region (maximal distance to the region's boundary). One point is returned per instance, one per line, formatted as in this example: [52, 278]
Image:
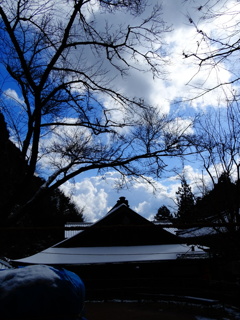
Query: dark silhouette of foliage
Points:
[221, 203]
[217, 214]
[163, 214]
[66, 68]
[185, 202]
[52, 209]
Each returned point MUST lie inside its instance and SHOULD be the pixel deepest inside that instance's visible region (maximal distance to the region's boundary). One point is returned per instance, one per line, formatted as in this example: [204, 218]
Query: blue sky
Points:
[97, 194]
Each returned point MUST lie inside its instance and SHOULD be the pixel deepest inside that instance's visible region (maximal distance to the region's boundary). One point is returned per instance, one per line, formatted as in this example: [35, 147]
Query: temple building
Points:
[124, 251]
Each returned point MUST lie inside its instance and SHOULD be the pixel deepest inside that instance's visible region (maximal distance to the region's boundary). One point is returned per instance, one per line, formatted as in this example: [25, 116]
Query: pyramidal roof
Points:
[121, 226]
[122, 214]
[121, 236]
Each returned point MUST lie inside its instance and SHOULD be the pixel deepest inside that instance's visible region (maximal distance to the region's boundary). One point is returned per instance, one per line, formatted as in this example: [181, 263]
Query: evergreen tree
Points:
[221, 203]
[185, 202]
[41, 224]
[163, 214]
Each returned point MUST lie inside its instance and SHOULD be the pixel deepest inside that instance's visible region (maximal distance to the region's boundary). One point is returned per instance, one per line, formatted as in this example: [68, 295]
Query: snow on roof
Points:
[4, 265]
[199, 232]
[102, 255]
[171, 230]
[120, 202]
[115, 208]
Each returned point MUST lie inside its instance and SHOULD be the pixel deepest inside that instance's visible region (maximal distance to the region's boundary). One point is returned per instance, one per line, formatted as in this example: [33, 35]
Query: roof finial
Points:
[122, 200]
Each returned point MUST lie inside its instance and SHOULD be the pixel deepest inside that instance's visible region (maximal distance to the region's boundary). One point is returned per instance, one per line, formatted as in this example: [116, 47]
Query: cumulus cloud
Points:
[183, 79]
[97, 195]
[187, 79]
[164, 91]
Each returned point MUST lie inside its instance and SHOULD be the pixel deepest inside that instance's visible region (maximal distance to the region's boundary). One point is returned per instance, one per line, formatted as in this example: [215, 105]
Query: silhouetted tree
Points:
[30, 232]
[220, 204]
[163, 214]
[218, 49]
[13, 192]
[218, 142]
[185, 202]
[73, 117]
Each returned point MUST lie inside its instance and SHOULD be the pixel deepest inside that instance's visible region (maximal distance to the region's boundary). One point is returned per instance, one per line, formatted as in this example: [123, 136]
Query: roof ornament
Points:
[122, 200]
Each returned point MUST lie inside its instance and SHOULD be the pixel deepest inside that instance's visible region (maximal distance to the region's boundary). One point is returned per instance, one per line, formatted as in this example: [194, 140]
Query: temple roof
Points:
[121, 226]
[121, 236]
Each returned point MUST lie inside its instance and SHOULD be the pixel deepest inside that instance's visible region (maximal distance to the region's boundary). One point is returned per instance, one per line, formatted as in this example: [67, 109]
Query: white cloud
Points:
[97, 195]
[187, 80]
[183, 38]
[88, 195]
[58, 139]
[180, 126]
[13, 95]
[180, 71]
